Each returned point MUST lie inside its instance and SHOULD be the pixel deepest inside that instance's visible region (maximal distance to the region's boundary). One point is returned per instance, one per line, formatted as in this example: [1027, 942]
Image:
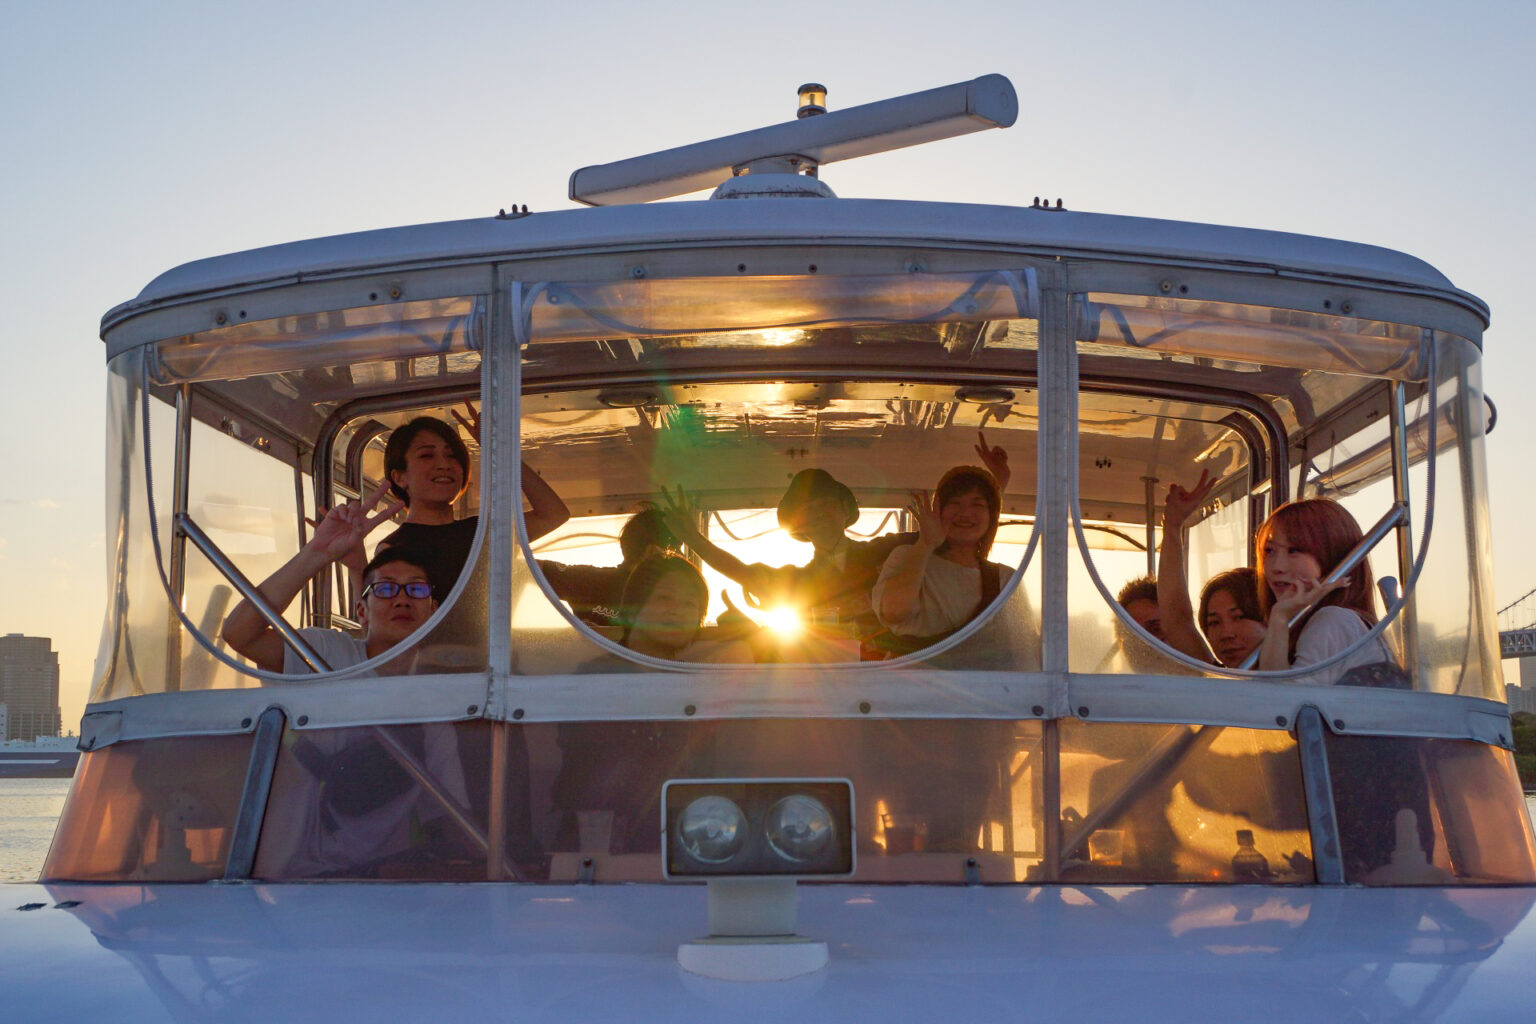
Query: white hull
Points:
[330, 952]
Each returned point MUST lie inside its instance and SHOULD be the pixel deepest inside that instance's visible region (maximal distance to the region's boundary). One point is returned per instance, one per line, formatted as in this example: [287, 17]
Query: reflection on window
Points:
[1182, 803]
[403, 801]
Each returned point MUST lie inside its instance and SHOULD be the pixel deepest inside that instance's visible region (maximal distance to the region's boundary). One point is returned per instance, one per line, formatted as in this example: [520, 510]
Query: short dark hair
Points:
[648, 572]
[1142, 588]
[1242, 585]
[400, 442]
[646, 529]
[416, 558]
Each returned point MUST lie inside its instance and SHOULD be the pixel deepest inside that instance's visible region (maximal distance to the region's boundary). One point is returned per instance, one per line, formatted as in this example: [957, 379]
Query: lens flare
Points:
[784, 621]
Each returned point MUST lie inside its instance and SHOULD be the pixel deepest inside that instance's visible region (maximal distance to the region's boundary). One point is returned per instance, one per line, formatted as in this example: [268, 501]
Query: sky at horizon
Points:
[140, 137]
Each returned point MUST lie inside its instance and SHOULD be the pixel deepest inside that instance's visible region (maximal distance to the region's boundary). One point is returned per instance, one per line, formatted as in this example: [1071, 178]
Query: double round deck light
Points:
[798, 828]
[712, 829]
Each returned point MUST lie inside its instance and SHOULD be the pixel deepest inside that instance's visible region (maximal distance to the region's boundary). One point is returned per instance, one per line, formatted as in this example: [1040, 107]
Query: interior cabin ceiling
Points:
[739, 444]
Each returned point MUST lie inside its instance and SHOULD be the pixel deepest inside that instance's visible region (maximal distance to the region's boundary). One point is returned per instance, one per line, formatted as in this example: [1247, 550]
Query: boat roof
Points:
[772, 221]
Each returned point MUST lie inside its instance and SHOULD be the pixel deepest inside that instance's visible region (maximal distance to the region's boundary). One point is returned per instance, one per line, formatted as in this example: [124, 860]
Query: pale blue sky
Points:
[135, 137]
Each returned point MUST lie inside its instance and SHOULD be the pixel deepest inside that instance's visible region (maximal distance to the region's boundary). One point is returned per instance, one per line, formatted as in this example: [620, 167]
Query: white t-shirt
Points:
[1330, 630]
[315, 838]
[307, 834]
[340, 650]
[948, 596]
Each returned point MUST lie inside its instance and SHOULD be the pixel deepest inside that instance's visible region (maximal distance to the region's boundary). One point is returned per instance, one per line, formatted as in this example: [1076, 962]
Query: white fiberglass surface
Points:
[298, 952]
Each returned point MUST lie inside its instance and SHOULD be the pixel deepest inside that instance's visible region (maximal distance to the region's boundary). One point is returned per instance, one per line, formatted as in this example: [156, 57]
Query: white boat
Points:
[556, 799]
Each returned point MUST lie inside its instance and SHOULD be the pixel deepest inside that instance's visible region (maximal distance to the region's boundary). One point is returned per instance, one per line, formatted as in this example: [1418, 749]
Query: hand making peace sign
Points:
[342, 530]
[995, 458]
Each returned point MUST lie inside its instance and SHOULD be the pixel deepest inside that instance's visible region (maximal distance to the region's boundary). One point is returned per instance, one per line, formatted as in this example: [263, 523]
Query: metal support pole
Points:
[501, 460]
[1058, 463]
[1151, 485]
[180, 487]
[1058, 416]
[1050, 811]
[253, 796]
[310, 609]
[1408, 621]
[1317, 787]
[290, 636]
[496, 836]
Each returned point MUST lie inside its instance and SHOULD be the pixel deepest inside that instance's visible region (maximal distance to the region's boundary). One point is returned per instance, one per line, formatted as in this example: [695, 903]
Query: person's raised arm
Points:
[547, 510]
[340, 532]
[995, 459]
[681, 513]
[1180, 630]
[901, 579]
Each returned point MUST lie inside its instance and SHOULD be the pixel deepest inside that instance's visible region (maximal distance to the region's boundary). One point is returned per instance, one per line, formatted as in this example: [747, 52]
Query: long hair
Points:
[652, 568]
[1242, 585]
[1326, 531]
[963, 480]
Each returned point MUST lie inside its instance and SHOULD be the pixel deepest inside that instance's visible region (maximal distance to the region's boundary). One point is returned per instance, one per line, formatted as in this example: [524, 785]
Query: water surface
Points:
[29, 810]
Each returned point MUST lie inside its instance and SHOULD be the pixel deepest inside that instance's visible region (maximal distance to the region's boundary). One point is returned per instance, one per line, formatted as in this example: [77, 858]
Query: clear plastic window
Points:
[795, 510]
[936, 801]
[383, 802]
[1264, 404]
[1429, 812]
[153, 811]
[788, 491]
[1164, 803]
[258, 401]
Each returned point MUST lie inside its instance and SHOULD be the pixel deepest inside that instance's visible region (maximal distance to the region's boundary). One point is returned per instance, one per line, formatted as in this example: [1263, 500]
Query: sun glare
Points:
[783, 621]
[781, 336]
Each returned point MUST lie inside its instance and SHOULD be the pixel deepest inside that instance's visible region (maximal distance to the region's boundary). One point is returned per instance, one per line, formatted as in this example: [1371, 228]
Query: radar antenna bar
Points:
[928, 116]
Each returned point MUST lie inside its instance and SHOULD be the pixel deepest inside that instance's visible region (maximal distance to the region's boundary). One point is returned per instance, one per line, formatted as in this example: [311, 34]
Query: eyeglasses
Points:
[387, 589]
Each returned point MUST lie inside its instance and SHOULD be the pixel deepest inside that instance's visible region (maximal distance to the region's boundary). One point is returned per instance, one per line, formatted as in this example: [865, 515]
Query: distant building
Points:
[1520, 698]
[29, 686]
[5, 719]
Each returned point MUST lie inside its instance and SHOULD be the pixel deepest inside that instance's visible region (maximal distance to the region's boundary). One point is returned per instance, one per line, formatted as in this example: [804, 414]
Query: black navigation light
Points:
[757, 828]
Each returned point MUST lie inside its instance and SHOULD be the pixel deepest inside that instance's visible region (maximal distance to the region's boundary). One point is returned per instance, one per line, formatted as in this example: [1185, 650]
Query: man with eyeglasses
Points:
[397, 596]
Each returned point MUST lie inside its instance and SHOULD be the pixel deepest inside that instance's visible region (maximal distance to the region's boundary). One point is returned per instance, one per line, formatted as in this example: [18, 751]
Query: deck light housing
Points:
[757, 828]
[752, 840]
